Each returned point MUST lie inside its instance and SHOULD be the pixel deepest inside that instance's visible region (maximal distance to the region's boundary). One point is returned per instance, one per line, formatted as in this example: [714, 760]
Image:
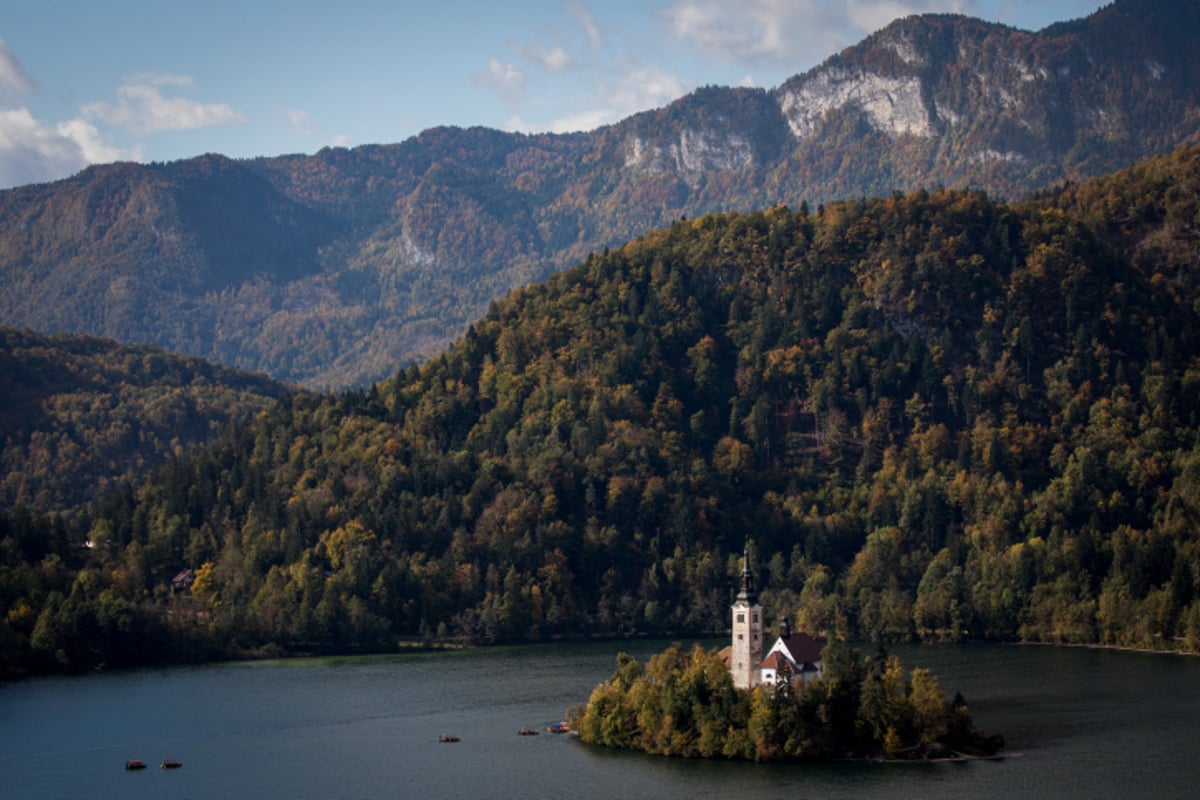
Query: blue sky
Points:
[83, 81]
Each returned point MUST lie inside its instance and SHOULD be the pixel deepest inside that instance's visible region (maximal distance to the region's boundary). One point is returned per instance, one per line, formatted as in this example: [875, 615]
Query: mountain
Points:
[80, 415]
[330, 270]
[934, 416]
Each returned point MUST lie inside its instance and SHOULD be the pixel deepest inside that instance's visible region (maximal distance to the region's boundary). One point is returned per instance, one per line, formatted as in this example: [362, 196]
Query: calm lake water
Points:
[1087, 723]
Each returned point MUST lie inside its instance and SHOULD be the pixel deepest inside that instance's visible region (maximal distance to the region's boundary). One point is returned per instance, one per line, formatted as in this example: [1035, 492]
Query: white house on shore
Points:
[794, 656]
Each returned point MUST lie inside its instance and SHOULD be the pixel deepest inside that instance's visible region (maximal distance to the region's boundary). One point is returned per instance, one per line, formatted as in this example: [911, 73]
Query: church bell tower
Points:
[747, 645]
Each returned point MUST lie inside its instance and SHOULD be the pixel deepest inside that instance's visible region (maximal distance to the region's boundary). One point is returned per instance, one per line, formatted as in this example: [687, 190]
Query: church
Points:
[793, 656]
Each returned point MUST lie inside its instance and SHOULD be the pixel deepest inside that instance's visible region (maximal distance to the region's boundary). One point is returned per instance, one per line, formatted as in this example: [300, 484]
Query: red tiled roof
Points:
[802, 648]
[771, 661]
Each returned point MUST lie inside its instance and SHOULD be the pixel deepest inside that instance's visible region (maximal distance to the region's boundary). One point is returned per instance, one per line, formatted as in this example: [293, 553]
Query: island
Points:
[684, 703]
[804, 701]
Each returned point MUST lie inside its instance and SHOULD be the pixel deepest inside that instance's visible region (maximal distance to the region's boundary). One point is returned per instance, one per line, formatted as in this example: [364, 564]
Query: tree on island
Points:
[685, 704]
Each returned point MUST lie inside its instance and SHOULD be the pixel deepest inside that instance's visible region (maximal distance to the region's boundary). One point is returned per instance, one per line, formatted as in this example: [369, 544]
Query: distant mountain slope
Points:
[936, 415]
[332, 269]
[79, 414]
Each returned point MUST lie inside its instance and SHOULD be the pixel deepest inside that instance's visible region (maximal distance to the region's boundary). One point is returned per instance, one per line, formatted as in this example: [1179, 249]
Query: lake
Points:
[1086, 723]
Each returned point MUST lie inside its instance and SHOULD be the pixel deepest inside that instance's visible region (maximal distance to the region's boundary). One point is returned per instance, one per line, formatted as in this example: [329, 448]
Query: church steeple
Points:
[747, 593]
[746, 650]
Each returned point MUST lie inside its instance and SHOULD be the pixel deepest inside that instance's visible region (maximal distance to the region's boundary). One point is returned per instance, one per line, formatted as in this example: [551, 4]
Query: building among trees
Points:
[793, 656]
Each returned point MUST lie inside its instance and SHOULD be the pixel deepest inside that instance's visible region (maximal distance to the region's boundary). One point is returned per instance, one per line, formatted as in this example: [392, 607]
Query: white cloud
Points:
[12, 74]
[583, 16]
[583, 49]
[300, 122]
[637, 87]
[755, 31]
[142, 108]
[160, 79]
[868, 16]
[32, 152]
[506, 79]
[569, 123]
[304, 126]
[556, 59]
[94, 149]
[788, 32]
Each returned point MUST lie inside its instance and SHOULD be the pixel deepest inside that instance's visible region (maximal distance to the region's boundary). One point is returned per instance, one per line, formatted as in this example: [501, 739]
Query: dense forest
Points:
[79, 415]
[941, 417]
[333, 269]
[685, 704]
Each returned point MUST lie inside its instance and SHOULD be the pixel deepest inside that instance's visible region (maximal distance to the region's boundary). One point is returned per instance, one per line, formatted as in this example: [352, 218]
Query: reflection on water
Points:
[1086, 723]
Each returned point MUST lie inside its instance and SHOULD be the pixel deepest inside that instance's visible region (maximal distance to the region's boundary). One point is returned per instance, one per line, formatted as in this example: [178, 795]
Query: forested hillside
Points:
[80, 415]
[329, 270]
[937, 416]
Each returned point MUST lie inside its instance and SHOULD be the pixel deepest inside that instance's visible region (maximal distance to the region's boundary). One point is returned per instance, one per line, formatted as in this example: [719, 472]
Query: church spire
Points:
[747, 592]
[745, 664]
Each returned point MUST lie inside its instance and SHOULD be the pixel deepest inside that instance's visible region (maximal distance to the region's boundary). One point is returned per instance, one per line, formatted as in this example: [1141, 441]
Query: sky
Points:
[84, 82]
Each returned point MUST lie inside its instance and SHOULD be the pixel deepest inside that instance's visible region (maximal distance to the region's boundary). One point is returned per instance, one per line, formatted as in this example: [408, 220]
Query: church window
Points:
[741, 617]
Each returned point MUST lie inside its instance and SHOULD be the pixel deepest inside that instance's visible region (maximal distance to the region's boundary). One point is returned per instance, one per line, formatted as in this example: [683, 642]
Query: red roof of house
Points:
[775, 661]
[802, 648]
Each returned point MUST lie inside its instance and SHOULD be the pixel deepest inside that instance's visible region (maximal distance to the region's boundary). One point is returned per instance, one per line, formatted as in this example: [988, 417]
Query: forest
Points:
[79, 415]
[941, 417]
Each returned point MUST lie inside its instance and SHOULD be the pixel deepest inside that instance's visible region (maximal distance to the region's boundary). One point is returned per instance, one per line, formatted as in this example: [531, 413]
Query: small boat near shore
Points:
[559, 727]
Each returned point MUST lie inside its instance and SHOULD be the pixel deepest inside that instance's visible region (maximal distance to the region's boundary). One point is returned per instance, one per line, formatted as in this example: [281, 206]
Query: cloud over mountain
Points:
[142, 107]
[12, 74]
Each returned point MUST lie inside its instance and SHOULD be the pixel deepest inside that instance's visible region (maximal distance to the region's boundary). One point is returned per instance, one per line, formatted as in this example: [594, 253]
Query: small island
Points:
[803, 702]
[685, 704]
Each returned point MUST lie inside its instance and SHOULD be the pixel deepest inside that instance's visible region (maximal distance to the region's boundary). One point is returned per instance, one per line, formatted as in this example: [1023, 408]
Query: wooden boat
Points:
[134, 763]
[170, 763]
[527, 732]
[448, 738]
[559, 727]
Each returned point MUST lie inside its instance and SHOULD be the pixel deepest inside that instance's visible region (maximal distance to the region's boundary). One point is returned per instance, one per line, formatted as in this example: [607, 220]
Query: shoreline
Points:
[958, 758]
[266, 653]
[1120, 648]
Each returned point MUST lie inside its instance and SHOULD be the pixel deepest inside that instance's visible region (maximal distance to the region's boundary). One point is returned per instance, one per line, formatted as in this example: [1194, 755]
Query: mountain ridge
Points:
[331, 269]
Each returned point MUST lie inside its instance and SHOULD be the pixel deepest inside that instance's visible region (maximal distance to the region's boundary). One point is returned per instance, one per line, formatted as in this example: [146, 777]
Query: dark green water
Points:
[1087, 723]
